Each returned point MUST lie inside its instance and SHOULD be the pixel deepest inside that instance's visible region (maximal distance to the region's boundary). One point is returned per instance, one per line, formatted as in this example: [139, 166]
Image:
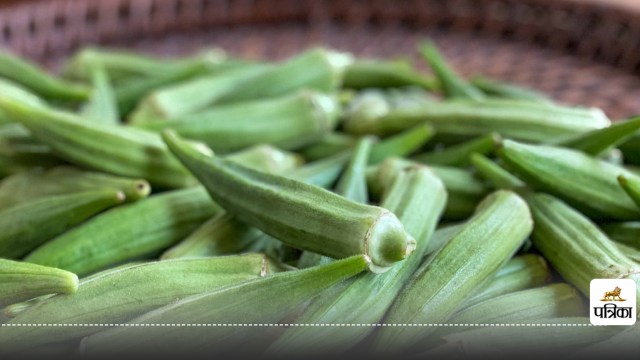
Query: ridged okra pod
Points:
[597, 142]
[267, 158]
[128, 232]
[362, 74]
[38, 81]
[331, 144]
[402, 144]
[511, 119]
[102, 105]
[298, 214]
[494, 233]
[631, 186]
[288, 122]
[258, 301]
[625, 232]
[17, 92]
[495, 174]
[119, 150]
[495, 88]
[418, 197]
[585, 182]
[574, 245]
[459, 155]
[27, 225]
[62, 180]
[118, 295]
[23, 281]
[322, 173]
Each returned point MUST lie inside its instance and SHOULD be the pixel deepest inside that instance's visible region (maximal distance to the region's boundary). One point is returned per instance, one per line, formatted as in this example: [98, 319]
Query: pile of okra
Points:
[324, 202]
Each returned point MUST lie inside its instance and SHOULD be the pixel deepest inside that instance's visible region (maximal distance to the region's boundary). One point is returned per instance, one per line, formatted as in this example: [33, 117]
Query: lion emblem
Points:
[612, 295]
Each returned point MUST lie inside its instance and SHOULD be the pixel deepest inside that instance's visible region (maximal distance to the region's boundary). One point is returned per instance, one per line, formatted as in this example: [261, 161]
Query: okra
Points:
[288, 122]
[631, 150]
[441, 236]
[250, 302]
[221, 235]
[459, 155]
[22, 281]
[102, 105]
[140, 288]
[631, 186]
[624, 232]
[315, 69]
[520, 273]
[322, 173]
[121, 150]
[20, 152]
[451, 83]
[29, 224]
[597, 142]
[418, 197]
[331, 144]
[363, 74]
[353, 183]
[124, 233]
[38, 81]
[298, 214]
[494, 233]
[630, 251]
[586, 183]
[494, 88]
[14, 309]
[17, 92]
[402, 144]
[574, 245]
[467, 118]
[65, 180]
[267, 158]
[495, 174]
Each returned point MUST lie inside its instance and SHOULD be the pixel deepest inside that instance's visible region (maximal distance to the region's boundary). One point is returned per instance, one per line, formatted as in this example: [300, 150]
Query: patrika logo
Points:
[608, 307]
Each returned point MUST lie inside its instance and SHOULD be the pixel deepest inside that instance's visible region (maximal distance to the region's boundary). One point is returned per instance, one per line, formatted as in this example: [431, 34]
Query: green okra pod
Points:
[586, 183]
[267, 158]
[500, 89]
[120, 150]
[495, 174]
[288, 122]
[624, 232]
[451, 83]
[520, 273]
[574, 245]
[597, 142]
[402, 144]
[494, 233]
[118, 295]
[23, 281]
[331, 144]
[102, 105]
[441, 236]
[254, 301]
[19, 151]
[418, 197]
[467, 118]
[631, 186]
[630, 251]
[352, 184]
[29, 224]
[127, 232]
[17, 92]
[322, 173]
[296, 213]
[363, 74]
[631, 150]
[459, 155]
[61, 180]
[30, 76]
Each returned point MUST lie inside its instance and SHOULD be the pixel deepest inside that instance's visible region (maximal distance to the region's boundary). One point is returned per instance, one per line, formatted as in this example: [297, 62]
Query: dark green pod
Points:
[296, 213]
[599, 141]
[495, 174]
[459, 155]
[384, 74]
[402, 144]
[127, 232]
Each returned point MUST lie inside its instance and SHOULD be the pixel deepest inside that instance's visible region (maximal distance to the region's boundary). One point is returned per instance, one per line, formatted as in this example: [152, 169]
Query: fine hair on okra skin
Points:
[321, 203]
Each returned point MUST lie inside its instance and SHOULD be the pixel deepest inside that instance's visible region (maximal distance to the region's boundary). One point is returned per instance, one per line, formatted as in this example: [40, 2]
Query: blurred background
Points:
[577, 51]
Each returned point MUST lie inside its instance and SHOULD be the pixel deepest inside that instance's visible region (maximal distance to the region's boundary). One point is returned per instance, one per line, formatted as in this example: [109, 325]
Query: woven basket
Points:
[577, 51]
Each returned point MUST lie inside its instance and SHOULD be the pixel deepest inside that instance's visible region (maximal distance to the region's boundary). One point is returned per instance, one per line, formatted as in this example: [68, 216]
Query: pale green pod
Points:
[441, 236]
[631, 186]
[574, 246]
[352, 184]
[495, 88]
[459, 155]
[467, 118]
[402, 144]
[298, 214]
[322, 173]
[363, 74]
[117, 296]
[222, 235]
[331, 144]
[66, 180]
[27, 225]
[102, 106]
[23, 281]
[17, 92]
[418, 197]
[257, 301]
[520, 273]
[288, 122]
[623, 232]
[494, 233]
[586, 183]
[127, 232]
[451, 83]
[267, 158]
[495, 174]
[36, 80]
[118, 150]
[599, 141]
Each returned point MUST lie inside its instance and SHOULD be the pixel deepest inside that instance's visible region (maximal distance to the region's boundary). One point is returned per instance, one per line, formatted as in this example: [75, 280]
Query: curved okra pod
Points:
[495, 232]
[118, 150]
[363, 74]
[102, 105]
[27, 225]
[495, 174]
[402, 144]
[258, 301]
[23, 281]
[298, 214]
[597, 142]
[128, 232]
[267, 158]
[631, 186]
[140, 288]
[17, 92]
[585, 182]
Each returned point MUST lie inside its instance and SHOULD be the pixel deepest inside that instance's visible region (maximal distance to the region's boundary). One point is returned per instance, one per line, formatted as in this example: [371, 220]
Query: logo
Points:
[613, 301]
